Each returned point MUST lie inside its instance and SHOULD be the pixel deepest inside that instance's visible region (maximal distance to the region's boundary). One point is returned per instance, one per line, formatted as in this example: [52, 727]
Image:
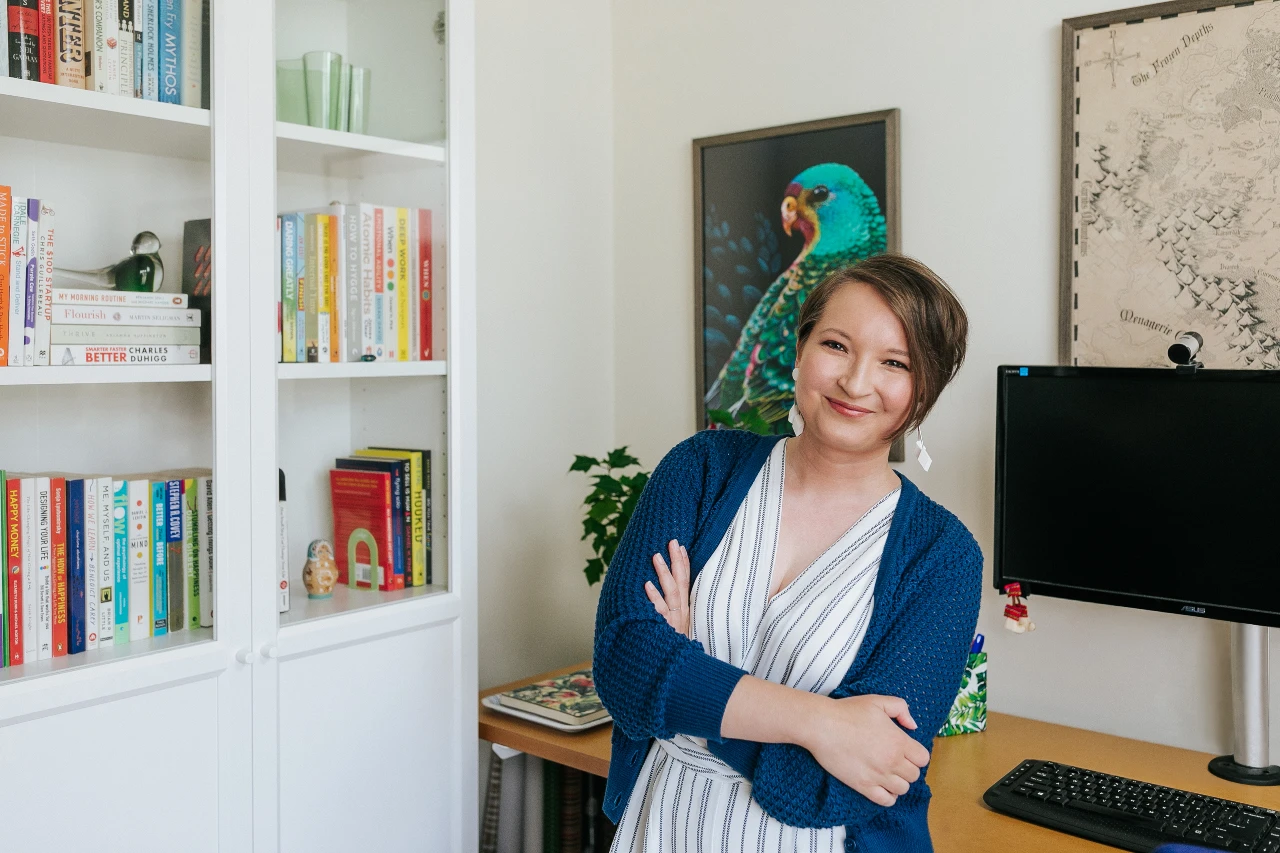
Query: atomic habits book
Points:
[570, 699]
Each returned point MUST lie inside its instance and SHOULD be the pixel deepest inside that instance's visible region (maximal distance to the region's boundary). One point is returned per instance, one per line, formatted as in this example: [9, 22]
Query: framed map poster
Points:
[1171, 184]
[779, 209]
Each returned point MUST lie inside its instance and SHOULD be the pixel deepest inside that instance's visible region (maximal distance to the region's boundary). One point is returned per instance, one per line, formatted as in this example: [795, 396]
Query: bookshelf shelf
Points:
[362, 370]
[346, 600]
[106, 654]
[48, 113]
[105, 375]
[301, 148]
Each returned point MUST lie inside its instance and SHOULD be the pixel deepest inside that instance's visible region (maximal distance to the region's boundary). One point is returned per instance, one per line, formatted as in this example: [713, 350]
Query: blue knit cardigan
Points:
[657, 683]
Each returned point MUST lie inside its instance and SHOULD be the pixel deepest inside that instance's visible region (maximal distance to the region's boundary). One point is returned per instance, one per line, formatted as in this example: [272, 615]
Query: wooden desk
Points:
[962, 768]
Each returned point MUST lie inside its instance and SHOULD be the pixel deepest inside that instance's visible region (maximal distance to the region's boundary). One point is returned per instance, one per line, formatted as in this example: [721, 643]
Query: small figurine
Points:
[1016, 617]
[142, 271]
[320, 574]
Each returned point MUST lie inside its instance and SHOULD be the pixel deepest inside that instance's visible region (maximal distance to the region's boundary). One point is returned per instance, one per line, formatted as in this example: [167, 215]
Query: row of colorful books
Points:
[155, 50]
[382, 517]
[355, 284]
[95, 561]
[115, 327]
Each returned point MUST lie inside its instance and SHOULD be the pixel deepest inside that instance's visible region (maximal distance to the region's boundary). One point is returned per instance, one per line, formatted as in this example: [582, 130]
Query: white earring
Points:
[794, 417]
[923, 456]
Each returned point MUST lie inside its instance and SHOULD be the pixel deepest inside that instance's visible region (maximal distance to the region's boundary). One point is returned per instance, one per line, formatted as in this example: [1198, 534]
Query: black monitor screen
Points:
[1146, 488]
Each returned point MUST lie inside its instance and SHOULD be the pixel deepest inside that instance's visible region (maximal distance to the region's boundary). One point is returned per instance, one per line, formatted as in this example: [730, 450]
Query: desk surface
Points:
[963, 767]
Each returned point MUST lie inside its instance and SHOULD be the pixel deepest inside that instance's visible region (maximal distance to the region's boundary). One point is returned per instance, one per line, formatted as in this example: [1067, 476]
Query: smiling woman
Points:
[786, 619]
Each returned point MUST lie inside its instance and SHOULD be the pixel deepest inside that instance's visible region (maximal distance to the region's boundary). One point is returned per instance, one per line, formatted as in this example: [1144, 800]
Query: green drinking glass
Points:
[358, 111]
[323, 71]
[291, 91]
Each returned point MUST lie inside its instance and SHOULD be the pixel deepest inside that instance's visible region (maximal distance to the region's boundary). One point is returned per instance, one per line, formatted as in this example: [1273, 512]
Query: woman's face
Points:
[855, 385]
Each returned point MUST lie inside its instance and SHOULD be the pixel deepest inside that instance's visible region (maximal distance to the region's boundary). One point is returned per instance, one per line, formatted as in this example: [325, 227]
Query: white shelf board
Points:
[49, 113]
[107, 652]
[361, 369]
[302, 148]
[356, 615]
[105, 374]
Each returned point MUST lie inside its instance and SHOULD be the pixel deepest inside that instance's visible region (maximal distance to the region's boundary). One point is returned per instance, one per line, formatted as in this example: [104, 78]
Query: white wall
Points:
[544, 207]
[977, 84]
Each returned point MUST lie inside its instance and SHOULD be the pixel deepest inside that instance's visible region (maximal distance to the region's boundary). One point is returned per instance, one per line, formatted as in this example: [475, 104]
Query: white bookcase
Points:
[346, 724]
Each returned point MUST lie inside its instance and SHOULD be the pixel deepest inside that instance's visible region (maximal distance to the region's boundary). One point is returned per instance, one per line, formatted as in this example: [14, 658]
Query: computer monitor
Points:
[1148, 488]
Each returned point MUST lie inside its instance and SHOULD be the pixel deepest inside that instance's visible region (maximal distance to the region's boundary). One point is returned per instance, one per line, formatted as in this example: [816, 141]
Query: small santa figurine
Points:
[1016, 618]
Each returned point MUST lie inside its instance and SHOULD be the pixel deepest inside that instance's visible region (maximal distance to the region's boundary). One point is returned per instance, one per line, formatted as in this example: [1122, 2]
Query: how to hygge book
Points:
[569, 699]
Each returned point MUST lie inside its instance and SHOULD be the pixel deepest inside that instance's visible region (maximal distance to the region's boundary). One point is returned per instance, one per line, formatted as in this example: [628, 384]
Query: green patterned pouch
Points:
[969, 712]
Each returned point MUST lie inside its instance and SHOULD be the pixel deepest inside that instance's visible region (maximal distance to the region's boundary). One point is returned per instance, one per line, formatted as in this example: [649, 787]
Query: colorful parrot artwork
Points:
[841, 222]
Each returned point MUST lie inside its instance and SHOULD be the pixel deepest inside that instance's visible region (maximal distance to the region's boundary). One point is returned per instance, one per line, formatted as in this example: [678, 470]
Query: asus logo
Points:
[1190, 609]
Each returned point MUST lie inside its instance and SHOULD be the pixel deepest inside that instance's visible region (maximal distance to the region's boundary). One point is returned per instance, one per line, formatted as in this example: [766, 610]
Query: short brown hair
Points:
[933, 318]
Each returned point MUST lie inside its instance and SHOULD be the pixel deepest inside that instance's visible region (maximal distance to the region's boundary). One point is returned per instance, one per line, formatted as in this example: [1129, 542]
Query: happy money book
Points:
[570, 699]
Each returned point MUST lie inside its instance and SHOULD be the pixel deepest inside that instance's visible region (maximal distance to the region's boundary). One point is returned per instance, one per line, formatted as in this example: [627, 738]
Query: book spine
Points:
[392, 334]
[48, 47]
[170, 52]
[379, 287]
[31, 571]
[311, 279]
[412, 288]
[30, 283]
[150, 49]
[288, 289]
[120, 557]
[190, 538]
[353, 312]
[206, 57]
[398, 532]
[106, 561]
[337, 306]
[126, 336]
[17, 281]
[124, 47]
[139, 55]
[71, 40]
[76, 634]
[192, 20]
[67, 296]
[95, 72]
[419, 524]
[208, 589]
[16, 569]
[364, 251]
[58, 575]
[279, 270]
[4, 573]
[139, 556]
[44, 570]
[6, 226]
[406, 485]
[44, 284]
[73, 354]
[158, 509]
[176, 561]
[282, 556]
[24, 40]
[96, 315]
[110, 64]
[426, 513]
[324, 302]
[92, 574]
[402, 283]
[299, 256]
[425, 305]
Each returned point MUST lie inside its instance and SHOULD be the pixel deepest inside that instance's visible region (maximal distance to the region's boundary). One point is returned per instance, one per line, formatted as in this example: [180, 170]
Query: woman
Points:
[778, 684]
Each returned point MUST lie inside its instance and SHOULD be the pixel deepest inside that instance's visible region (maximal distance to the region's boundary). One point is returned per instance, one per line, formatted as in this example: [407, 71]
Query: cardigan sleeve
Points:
[654, 681]
[921, 660]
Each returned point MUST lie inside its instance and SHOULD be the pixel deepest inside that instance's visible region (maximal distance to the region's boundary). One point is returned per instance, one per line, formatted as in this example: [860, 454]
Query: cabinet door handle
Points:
[246, 656]
[270, 651]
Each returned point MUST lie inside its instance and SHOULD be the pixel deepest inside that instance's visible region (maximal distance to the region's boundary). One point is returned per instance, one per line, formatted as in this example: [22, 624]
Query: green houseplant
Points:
[609, 505]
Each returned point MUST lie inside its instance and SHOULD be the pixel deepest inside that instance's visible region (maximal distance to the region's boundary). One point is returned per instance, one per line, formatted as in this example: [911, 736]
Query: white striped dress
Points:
[687, 799]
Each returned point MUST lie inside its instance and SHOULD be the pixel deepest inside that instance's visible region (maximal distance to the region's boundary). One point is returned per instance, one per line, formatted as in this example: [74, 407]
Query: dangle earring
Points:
[797, 422]
[923, 456]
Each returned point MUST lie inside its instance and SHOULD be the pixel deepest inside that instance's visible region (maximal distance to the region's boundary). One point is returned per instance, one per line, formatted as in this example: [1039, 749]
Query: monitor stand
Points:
[1251, 763]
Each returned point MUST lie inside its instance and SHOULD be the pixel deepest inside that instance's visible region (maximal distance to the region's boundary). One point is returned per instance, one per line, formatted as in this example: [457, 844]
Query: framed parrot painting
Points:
[780, 209]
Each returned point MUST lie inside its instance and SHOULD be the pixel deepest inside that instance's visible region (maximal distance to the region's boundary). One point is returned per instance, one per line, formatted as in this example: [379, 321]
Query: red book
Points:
[13, 585]
[6, 206]
[379, 283]
[58, 539]
[424, 284]
[362, 515]
[48, 43]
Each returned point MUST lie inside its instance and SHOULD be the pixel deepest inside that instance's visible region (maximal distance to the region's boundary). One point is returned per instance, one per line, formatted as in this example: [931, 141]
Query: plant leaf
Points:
[608, 485]
[594, 571]
[583, 463]
[619, 458]
[603, 509]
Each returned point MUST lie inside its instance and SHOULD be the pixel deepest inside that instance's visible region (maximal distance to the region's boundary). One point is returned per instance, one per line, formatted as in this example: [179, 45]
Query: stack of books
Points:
[26, 279]
[355, 284]
[155, 50]
[114, 327]
[382, 517]
[95, 561]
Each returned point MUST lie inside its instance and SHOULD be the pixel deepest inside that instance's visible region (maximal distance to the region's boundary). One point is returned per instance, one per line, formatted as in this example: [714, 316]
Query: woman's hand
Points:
[858, 741]
[673, 601]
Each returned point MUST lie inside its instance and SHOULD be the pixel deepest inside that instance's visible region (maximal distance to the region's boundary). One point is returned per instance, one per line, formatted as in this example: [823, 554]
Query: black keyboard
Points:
[1129, 814]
